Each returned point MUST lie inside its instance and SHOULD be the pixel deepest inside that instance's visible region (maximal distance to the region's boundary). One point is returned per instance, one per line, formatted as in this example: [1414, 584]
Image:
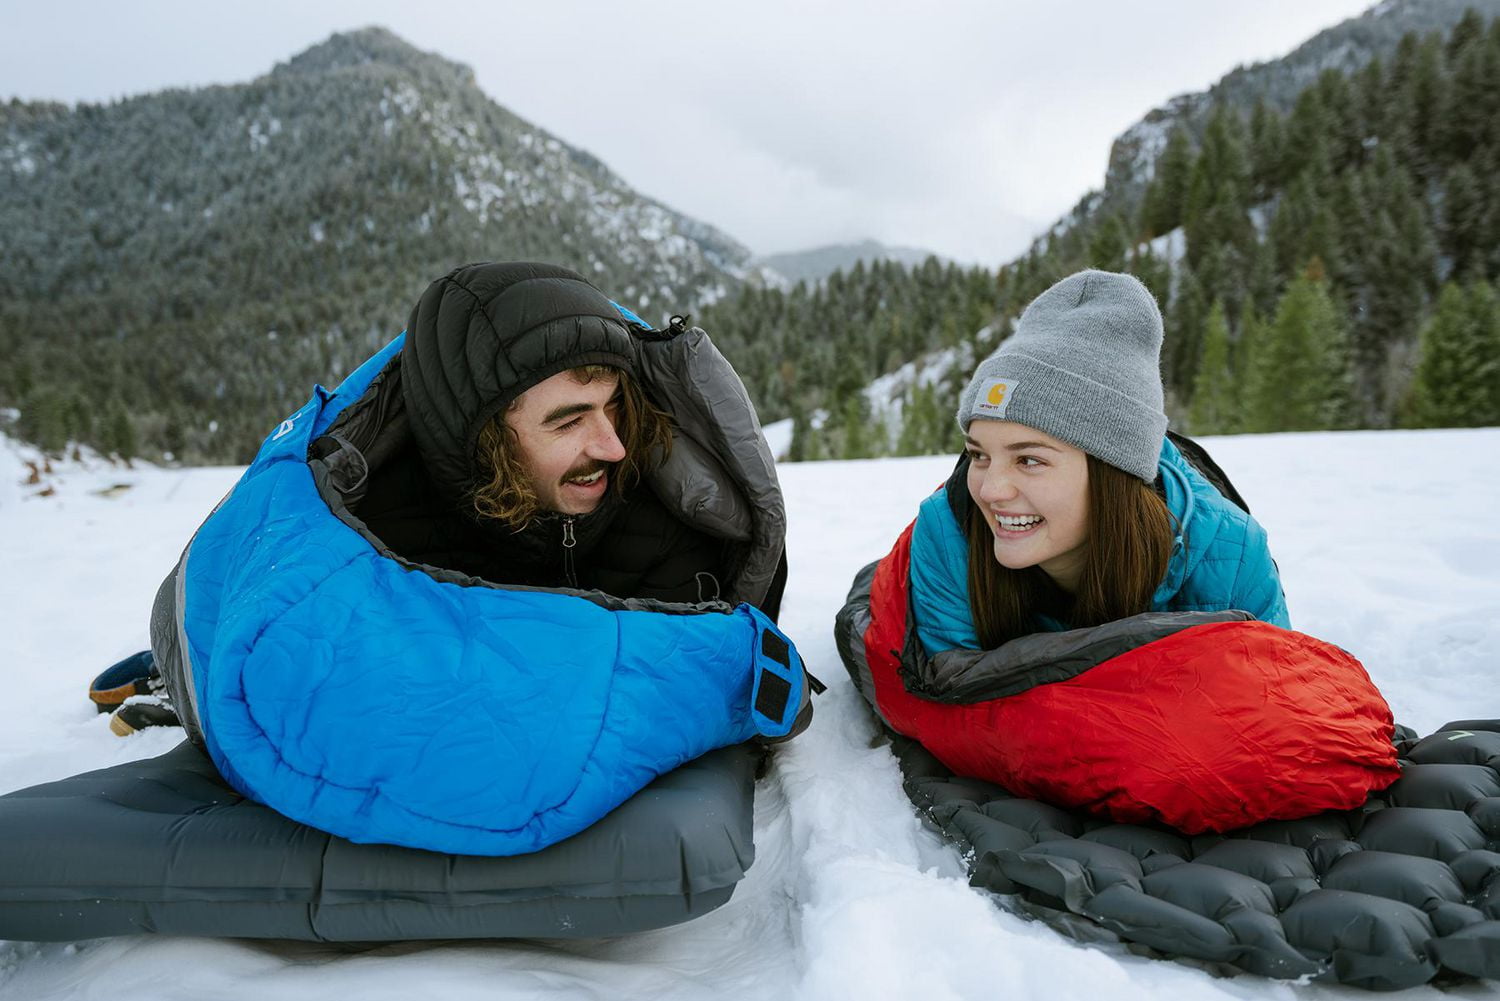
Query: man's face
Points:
[566, 438]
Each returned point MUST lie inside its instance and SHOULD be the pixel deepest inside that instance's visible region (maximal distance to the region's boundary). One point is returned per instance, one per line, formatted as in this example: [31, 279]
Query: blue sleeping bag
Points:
[368, 697]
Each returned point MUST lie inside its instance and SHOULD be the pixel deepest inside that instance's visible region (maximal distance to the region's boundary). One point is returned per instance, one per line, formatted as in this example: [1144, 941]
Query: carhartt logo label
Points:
[994, 397]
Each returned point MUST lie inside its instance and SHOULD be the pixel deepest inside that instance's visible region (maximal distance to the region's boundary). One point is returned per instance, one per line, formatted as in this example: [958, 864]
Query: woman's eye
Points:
[1029, 461]
[976, 456]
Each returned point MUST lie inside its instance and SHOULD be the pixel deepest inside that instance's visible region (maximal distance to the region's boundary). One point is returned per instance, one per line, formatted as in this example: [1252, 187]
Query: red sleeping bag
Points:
[1210, 728]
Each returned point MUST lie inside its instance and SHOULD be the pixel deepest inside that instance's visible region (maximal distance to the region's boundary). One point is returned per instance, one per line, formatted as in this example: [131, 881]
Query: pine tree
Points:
[1302, 228]
[1268, 152]
[1213, 408]
[857, 439]
[1108, 245]
[1166, 197]
[1457, 381]
[1464, 212]
[1396, 268]
[1250, 336]
[1467, 121]
[44, 420]
[1184, 332]
[1300, 380]
[1155, 273]
[797, 449]
[118, 435]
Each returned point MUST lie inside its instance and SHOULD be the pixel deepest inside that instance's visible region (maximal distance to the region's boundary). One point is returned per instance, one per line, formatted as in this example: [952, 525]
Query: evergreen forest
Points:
[1330, 266]
[178, 269]
[1327, 261]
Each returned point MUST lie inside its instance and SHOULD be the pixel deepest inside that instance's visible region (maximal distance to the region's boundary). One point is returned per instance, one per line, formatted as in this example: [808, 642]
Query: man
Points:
[523, 438]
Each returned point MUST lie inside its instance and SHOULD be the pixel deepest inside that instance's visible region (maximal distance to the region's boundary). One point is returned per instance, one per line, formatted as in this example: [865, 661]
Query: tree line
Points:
[165, 287]
[1328, 267]
[178, 269]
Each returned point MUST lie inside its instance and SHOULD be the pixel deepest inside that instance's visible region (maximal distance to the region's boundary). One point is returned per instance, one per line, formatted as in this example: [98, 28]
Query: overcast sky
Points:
[964, 128]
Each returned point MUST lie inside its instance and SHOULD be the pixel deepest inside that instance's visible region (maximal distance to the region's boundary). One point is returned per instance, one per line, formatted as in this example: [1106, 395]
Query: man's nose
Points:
[606, 445]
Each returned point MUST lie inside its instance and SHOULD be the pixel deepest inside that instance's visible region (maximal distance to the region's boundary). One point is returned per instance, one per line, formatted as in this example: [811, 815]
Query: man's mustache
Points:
[586, 469]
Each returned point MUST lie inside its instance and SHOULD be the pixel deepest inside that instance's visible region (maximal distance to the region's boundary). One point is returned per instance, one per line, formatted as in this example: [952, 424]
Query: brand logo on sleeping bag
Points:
[994, 397]
[284, 430]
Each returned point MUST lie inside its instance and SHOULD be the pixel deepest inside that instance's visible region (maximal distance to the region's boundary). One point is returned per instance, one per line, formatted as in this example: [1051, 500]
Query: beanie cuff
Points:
[1101, 421]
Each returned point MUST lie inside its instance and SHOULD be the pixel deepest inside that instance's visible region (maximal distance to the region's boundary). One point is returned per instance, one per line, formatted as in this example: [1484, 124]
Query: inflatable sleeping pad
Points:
[1389, 895]
[164, 845]
[1393, 881]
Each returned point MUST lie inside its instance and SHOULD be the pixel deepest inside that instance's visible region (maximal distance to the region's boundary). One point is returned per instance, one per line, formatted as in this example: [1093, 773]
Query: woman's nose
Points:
[997, 486]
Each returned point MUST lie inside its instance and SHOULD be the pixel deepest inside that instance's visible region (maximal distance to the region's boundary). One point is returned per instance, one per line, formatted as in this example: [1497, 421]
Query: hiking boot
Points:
[120, 681]
[145, 711]
[136, 693]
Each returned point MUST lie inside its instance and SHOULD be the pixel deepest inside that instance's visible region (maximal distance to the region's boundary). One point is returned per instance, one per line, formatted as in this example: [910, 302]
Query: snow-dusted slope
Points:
[1388, 544]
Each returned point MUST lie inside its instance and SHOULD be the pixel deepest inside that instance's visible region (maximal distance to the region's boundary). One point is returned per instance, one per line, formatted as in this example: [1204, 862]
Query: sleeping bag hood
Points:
[484, 334]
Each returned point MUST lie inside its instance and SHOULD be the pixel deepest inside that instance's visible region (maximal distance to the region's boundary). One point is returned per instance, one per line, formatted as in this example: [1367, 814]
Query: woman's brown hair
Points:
[1129, 544]
[504, 491]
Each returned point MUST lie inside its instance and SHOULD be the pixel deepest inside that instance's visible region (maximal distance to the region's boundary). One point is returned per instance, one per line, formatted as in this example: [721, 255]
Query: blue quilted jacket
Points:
[1220, 559]
[371, 698]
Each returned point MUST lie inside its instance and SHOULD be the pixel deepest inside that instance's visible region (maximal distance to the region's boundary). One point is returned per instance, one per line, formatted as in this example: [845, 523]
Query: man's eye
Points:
[570, 424]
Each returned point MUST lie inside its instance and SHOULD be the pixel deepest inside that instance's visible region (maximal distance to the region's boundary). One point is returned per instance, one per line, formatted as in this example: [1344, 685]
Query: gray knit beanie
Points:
[1083, 366]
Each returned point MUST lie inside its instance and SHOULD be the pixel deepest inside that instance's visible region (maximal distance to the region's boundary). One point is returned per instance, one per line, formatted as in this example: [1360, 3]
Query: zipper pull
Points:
[568, 542]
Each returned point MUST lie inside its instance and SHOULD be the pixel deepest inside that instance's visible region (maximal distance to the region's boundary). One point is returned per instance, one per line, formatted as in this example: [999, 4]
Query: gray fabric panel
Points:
[698, 386]
[169, 650]
[164, 845]
[693, 484]
[169, 646]
[964, 676]
[849, 627]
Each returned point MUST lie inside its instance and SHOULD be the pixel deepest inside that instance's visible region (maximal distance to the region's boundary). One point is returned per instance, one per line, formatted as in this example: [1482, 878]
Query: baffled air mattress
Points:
[1396, 886]
[164, 845]
[1385, 896]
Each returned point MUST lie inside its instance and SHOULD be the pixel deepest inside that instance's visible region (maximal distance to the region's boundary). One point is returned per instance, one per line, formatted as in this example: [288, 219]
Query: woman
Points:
[1086, 614]
[1072, 507]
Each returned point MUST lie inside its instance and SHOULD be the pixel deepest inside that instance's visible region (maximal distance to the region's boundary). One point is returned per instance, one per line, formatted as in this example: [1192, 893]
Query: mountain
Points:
[1325, 257]
[1345, 47]
[818, 263]
[189, 262]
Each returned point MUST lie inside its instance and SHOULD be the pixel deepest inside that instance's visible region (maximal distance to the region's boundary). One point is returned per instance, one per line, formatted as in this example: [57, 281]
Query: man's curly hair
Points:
[504, 491]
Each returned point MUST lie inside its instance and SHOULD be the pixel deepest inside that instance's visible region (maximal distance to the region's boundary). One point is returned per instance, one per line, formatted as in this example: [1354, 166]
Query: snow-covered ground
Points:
[1389, 545]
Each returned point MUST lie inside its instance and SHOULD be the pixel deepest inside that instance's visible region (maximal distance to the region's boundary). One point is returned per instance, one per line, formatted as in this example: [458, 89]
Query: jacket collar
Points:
[1176, 479]
[536, 550]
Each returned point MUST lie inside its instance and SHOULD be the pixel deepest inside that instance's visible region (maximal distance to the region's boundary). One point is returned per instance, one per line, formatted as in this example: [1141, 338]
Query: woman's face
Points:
[1034, 491]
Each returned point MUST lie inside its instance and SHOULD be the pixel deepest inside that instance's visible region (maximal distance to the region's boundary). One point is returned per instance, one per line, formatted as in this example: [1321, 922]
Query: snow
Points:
[779, 437]
[1170, 247]
[1387, 543]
